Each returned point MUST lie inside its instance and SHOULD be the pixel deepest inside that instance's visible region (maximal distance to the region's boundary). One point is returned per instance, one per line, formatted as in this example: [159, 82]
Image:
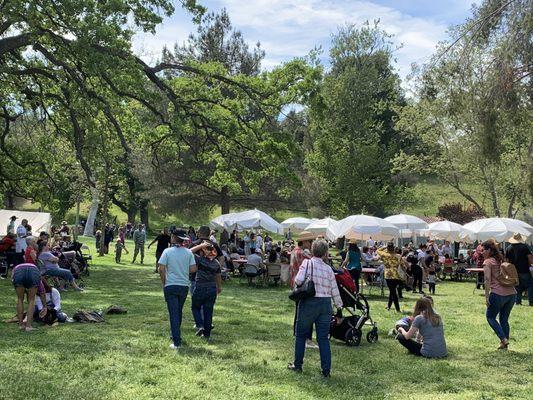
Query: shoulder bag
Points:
[306, 289]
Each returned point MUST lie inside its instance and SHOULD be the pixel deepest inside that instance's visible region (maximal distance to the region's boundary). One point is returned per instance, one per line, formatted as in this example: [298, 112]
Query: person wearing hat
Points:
[208, 285]
[175, 265]
[519, 254]
[11, 225]
[352, 262]
[299, 254]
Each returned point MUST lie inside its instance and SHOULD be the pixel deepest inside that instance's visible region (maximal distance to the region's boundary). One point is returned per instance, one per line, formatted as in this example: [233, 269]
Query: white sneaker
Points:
[174, 347]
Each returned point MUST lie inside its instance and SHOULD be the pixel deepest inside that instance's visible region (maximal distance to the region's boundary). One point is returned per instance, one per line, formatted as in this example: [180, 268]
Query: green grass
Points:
[128, 356]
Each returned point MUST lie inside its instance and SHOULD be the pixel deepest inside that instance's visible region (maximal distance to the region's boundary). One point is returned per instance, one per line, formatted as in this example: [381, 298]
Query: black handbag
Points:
[306, 289]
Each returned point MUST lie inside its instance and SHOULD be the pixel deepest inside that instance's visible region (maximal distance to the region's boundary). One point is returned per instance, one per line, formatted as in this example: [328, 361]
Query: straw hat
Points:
[352, 241]
[306, 236]
[517, 238]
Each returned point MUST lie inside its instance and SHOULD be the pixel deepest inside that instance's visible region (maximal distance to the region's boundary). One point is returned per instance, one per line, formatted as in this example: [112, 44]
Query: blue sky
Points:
[291, 28]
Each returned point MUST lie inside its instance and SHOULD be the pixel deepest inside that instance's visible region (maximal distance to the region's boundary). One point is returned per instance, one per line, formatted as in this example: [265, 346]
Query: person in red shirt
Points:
[7, 249]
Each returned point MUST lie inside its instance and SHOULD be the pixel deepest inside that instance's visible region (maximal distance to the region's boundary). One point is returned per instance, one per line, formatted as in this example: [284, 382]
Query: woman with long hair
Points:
[352, 262]
[499, 299]
[429, 324]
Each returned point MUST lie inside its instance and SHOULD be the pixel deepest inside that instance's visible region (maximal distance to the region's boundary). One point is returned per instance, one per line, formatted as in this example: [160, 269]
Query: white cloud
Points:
[291, 28]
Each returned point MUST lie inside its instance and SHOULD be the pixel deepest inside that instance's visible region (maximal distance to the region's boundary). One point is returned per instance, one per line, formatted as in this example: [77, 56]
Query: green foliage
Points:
[352, 125]
[471, 122]
[127, 357]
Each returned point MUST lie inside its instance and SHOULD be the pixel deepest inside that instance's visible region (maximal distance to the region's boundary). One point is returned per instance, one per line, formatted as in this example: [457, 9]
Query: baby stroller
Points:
[350, 328]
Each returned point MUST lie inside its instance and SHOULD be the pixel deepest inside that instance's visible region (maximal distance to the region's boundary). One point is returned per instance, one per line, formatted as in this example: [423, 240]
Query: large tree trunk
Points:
[9, 200]
[91, 218]
[224, 200]
[105, 211]
[132, 213]
[143, 210]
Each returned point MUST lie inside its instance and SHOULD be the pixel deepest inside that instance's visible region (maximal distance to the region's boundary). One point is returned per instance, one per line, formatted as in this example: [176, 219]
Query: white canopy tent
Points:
[498, 229]
[296, 224]
[363, 227]
[251, 219]
[447, 230]
[37, 220]
[320, 226]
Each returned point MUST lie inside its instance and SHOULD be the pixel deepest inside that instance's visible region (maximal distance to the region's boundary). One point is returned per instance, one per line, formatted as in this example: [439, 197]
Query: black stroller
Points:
[350, 328]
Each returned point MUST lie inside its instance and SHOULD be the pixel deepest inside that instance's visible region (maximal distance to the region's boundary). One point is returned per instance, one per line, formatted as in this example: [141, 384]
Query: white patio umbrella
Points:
[320, 226]
[499, 229]
[363, 227]
[409, 225]
[447, 230]
[251, 219]
[296, 224]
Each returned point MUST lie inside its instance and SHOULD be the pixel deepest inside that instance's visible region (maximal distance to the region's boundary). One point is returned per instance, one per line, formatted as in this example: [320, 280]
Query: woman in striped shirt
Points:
[316, 310]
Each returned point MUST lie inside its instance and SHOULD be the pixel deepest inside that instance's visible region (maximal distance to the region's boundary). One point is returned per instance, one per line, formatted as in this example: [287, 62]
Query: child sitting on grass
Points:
[119, 246]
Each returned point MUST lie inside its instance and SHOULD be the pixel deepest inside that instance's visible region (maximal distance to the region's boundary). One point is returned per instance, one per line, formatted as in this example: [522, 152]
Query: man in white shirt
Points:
[421, 256]
[21, 236]
[371, 242]
[259, 241]
[446, 249]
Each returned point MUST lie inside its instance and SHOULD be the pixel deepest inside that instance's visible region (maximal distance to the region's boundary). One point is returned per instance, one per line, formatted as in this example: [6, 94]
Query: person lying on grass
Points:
[429, 324]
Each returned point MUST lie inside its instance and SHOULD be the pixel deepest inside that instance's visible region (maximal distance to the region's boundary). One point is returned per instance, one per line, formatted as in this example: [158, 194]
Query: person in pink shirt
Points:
[499, 299]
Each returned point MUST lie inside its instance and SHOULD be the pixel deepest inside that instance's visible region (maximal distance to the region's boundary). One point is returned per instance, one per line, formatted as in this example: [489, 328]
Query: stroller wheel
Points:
[372, 336]
[353, 337]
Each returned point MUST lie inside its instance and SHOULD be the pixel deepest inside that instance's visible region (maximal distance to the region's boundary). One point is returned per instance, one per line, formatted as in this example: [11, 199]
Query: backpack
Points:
[508, 275]
[88, 316]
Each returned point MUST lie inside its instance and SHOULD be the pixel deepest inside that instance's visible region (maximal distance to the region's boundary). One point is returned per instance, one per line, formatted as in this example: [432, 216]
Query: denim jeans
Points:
[525, 281]
[60, 273]
[318, 311]
[175, 297]
[203, 303]
[500, 305]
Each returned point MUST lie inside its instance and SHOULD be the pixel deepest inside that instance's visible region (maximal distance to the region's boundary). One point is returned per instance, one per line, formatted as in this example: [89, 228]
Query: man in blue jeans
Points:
[519, 255]
[175, 264]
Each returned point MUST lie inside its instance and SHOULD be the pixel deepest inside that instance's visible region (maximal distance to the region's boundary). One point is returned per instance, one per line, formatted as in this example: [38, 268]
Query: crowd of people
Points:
[194, 261]
[37, 264]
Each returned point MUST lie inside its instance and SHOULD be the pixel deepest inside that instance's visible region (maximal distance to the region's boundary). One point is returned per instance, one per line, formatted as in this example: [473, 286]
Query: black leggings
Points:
[393, 285]
[410, 344]
[417, 276]
[356, 274]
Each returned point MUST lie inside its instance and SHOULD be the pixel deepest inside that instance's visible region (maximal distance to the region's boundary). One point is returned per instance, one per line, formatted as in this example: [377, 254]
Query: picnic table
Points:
[373, 272]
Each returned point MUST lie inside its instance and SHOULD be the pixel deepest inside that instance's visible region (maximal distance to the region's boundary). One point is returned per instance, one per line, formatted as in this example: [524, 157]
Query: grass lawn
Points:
[128, 356]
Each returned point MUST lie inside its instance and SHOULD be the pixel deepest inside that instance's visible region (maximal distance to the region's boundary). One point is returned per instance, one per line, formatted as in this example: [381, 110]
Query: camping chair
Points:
[251, 271]
[273, 272]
